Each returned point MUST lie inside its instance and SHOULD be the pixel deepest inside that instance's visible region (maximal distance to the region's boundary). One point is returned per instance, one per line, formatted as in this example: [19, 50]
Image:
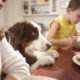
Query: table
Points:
[63, 69]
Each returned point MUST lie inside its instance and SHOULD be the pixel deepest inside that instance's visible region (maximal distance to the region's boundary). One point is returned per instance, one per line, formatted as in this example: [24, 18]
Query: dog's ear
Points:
[16, 33]
[13, 30]
[17, 29]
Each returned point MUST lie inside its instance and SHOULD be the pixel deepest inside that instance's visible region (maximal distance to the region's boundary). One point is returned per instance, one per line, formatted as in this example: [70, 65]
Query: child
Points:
[62, 30]
[11, 62]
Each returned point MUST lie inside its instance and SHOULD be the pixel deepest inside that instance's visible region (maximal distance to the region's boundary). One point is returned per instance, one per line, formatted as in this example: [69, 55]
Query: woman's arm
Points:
[10, 77]
[13, 63]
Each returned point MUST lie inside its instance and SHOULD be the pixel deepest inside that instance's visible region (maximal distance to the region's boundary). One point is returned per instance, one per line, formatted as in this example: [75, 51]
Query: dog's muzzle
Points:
[48, 45]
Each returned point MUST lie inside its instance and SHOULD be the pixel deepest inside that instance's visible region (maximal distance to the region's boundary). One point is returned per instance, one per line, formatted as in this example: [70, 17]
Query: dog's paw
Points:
[46, 60]
[42, 61]
[53, 53]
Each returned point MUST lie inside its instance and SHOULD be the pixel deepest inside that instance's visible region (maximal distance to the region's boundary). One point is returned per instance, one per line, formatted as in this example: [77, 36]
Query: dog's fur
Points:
[27, 38]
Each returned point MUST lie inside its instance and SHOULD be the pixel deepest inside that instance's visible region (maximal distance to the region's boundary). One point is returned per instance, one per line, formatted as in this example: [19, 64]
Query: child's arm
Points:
[64, 42]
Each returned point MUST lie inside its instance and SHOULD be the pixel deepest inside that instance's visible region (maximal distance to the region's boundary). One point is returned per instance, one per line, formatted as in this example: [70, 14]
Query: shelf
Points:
[40, 3]
[33, 15]
[39, 8]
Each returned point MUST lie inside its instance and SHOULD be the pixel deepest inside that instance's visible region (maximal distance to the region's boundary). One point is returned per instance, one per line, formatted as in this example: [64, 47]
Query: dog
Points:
[26, 37]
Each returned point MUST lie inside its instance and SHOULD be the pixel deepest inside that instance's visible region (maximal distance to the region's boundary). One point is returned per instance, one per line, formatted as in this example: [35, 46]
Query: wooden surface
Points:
[63, 69]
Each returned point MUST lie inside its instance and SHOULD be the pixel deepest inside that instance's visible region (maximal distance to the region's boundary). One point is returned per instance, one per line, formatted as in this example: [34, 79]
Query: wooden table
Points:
[63, 69]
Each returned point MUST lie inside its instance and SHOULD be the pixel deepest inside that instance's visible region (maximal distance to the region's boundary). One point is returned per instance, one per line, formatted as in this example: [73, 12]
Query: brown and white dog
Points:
[27, 38]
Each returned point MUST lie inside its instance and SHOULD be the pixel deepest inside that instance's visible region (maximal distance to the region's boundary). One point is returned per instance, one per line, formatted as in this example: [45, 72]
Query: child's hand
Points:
[73, 40]
[70, 42]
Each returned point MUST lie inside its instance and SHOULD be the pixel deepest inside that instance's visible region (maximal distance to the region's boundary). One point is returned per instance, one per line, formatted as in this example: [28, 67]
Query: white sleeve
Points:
[12, 61]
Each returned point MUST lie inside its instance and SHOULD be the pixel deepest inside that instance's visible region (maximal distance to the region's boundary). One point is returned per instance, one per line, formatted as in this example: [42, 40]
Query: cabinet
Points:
[39, 7]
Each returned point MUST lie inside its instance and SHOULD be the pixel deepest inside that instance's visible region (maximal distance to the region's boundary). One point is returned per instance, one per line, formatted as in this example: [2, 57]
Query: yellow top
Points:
[66, 30]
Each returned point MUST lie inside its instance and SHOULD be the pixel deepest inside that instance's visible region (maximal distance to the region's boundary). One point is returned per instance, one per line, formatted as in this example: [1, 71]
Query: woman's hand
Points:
[10, 77]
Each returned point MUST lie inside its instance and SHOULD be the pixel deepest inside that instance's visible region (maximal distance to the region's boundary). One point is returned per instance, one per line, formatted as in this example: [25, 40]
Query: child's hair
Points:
[74, 4]
[1, 33]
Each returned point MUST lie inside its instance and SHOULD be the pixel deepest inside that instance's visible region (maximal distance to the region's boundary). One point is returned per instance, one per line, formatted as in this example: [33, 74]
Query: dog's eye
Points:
[34, 35]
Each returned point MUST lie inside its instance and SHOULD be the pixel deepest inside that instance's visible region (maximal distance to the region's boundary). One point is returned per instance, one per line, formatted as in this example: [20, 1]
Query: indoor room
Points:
[39, 39]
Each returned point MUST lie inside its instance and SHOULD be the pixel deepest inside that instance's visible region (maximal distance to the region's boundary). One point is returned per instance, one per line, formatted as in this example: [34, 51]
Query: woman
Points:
[11, 62]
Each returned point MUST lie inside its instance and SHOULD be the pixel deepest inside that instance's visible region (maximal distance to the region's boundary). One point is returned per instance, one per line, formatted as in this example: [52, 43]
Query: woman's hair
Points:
[1, 33]
[74, 4]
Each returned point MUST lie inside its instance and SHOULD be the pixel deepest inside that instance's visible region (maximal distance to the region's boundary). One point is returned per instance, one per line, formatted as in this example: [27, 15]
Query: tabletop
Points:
[63, 69]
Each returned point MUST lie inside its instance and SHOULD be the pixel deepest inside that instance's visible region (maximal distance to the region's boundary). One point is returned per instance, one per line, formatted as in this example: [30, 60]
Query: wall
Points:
[41, 19]
[10, 13]
[1, 18]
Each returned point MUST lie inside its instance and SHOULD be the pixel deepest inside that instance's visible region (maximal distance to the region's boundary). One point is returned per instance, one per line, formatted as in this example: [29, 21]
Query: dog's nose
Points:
[48, 45]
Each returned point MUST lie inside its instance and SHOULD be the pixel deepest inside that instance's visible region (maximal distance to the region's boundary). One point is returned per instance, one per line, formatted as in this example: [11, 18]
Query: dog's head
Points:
[28, 35]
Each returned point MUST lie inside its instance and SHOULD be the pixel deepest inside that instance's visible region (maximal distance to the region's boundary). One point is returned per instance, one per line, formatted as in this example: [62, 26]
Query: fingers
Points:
[74, 38]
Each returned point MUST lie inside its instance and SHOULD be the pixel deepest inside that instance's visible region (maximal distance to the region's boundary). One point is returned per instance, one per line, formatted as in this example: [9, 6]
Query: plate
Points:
[32, 77]
[76, 59]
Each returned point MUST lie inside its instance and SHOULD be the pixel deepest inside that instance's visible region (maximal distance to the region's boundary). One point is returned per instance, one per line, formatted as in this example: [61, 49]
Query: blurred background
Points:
[39, 11]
